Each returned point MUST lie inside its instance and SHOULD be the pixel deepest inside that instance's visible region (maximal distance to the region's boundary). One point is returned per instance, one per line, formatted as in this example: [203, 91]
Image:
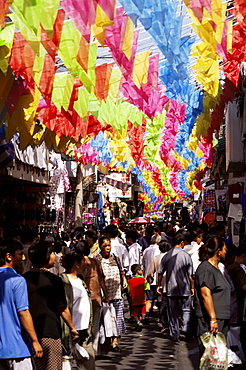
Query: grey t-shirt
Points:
[178, 267]
[211, 277]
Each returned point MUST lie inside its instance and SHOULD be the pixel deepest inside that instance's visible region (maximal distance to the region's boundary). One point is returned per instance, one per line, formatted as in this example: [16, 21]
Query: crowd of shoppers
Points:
[61, 297]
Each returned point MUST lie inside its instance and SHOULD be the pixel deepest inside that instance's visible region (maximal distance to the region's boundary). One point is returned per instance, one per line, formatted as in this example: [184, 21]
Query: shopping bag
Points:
[233, 359]
[67, 359]
[234, 344]
[215, 356]
[109, 320]
[80, 353]
[67, 362]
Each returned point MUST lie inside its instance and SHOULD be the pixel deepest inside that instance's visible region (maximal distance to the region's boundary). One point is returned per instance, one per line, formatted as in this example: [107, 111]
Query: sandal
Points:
[116, 349]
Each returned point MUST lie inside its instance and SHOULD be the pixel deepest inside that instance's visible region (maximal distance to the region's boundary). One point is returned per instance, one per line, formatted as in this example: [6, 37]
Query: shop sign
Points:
[121, 191]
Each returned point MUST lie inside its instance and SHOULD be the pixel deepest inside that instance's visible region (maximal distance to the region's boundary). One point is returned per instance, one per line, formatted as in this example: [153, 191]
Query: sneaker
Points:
[139, 327]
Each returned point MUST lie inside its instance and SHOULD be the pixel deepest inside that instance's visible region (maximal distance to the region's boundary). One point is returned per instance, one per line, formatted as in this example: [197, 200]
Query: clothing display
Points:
[100, 202]
[209, 201]
[122, 210]
[60, 184]
[100, 220]
[22, 206]
[235, 191]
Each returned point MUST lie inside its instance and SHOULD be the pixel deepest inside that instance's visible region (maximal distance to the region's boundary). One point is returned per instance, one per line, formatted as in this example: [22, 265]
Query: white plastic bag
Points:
[234, 344]
[80, 353]
[109, 320]
[233, 359]
[215, 356]
[67, 362]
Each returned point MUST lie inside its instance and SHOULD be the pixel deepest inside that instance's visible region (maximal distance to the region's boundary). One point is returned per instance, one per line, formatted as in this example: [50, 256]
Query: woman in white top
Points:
[79, 303]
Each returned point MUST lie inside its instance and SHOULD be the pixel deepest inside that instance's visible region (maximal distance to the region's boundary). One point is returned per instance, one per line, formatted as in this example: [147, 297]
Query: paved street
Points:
[152, 350]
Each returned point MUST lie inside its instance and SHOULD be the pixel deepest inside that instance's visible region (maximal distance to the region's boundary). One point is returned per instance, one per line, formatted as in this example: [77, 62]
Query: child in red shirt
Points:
[136, 287]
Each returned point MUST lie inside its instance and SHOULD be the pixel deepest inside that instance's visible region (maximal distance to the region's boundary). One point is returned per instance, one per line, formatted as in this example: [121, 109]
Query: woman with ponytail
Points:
[212, 291]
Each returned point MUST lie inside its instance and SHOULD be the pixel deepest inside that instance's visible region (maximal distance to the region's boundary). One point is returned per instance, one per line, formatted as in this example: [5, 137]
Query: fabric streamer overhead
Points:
[78, 75]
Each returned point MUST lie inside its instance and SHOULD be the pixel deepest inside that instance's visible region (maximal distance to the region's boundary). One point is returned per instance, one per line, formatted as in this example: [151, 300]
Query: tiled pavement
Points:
[150, 350]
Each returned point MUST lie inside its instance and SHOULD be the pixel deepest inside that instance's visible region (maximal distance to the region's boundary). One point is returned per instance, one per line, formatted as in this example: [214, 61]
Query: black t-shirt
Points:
[46, 296]
[209, 276]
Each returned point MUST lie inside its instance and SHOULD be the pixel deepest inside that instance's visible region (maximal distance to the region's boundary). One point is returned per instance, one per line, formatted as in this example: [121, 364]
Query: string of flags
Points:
[150, 114]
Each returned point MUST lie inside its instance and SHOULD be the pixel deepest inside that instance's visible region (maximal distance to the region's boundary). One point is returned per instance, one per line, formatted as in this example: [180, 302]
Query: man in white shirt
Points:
[148, 255]
[117, 248]
[135, 250]
[150, 252]
[192, 245]
[152, 278]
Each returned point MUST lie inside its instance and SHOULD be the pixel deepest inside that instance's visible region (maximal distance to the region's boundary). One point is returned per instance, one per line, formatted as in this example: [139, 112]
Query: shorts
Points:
[149, 295]
[25, 363]
[138, 310]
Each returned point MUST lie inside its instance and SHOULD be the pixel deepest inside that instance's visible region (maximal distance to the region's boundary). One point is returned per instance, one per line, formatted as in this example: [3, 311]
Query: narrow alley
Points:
[150, 349]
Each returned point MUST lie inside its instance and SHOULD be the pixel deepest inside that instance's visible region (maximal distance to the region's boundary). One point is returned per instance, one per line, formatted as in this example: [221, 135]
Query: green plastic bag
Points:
[215, 356]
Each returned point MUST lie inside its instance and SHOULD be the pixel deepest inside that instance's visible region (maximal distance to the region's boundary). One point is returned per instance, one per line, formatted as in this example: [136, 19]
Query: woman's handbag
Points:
[215, 356]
